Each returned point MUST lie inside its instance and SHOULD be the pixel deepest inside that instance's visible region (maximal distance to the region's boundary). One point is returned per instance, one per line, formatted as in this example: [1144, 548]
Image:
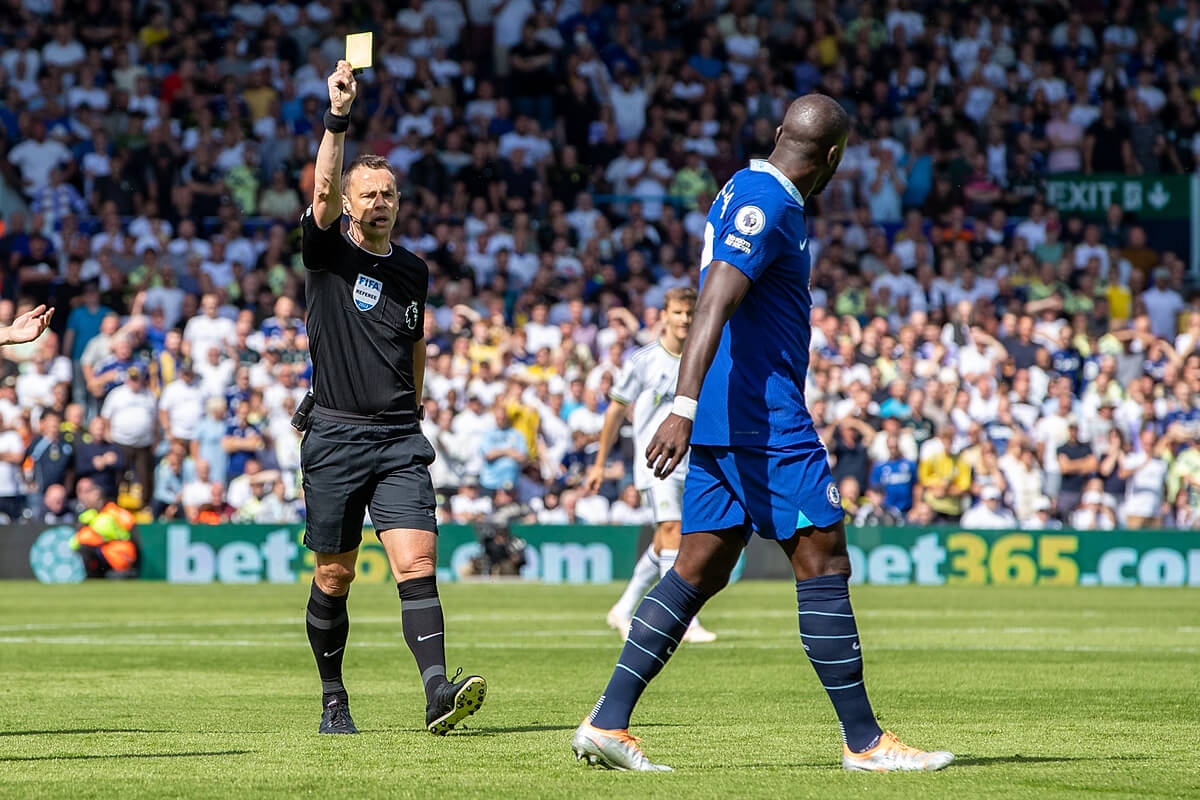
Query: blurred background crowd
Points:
[977, 357]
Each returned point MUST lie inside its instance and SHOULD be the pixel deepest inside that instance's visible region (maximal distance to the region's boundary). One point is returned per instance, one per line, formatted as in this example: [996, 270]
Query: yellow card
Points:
[358, 49]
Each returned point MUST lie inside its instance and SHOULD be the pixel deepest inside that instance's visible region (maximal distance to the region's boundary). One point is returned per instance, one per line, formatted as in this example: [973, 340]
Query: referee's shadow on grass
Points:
[487, 730]
[78, 731]
[125, 755]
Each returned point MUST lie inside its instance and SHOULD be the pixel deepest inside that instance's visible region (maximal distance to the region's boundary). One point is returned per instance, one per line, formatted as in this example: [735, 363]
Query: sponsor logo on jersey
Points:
[367, 292]
[738, 242]
[410, 315]
[835, 497]
[750, 220]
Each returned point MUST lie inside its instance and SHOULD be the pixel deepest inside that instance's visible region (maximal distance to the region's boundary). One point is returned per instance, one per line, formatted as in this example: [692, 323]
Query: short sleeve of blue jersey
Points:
[747, 233]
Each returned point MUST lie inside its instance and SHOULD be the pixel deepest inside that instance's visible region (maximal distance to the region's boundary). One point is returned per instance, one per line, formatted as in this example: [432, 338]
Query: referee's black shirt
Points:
[365, 313]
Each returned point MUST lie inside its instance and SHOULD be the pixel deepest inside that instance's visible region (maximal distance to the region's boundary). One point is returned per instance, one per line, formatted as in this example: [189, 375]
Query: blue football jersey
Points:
[754, 392]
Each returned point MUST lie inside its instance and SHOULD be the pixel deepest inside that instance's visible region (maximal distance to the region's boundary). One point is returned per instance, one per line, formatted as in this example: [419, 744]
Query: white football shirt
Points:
[647, 382]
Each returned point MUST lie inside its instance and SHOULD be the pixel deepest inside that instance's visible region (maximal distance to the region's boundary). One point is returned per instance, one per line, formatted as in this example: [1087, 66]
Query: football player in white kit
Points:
[647, 382]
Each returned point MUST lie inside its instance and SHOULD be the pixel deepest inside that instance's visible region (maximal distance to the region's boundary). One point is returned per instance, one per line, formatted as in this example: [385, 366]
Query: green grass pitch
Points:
[150, 690]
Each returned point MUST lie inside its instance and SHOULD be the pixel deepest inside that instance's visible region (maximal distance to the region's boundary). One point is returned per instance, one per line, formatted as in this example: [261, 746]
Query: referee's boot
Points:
[335, 718]
[453, 702]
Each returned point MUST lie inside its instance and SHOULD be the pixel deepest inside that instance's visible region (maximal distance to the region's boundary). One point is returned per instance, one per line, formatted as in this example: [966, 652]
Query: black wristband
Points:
[336, 123]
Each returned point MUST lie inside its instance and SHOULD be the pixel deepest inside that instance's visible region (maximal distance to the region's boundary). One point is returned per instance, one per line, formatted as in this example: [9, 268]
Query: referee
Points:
[363, 447]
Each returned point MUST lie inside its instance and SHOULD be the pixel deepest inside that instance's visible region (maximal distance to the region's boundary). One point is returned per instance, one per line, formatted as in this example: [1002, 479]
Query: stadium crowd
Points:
[977, 357]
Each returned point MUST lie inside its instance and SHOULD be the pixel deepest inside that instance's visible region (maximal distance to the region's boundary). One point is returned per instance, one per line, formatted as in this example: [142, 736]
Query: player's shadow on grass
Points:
[76, 731]
[961, 761]
[126, 755]
[987, 761]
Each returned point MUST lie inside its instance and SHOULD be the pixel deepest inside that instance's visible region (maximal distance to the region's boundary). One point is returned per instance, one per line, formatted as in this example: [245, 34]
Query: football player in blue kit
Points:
[757, 463]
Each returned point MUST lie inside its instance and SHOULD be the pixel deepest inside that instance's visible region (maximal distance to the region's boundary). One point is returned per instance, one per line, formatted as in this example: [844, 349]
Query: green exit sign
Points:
[1155, 197]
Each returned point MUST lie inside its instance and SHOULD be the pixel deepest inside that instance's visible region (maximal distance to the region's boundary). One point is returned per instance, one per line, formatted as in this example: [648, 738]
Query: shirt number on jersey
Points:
[707, 256]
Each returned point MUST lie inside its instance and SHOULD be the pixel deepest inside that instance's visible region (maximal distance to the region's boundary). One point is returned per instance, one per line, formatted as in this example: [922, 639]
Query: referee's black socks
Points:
[424, 629]
[328, 626]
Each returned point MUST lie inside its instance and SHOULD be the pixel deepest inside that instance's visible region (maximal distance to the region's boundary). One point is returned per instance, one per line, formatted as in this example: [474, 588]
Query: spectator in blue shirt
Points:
[58, 199]
[504, 451]
[1067, 361]
[99, 459]
[895, 477]
[242, 441]
[111, 372]
[284, 318]
[83, 323]
[210, 440]
[173, 471]
[239, 393]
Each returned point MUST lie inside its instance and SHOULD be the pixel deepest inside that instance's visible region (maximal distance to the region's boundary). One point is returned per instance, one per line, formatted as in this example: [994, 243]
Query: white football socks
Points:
[645, 575]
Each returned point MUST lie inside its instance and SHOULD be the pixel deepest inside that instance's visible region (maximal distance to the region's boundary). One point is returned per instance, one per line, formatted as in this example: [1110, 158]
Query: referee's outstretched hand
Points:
[27, 327]
[342, 88]
[669, 445]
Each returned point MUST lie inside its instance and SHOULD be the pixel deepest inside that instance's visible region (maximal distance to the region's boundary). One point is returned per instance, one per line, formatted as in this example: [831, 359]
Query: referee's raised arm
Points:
[327, 195]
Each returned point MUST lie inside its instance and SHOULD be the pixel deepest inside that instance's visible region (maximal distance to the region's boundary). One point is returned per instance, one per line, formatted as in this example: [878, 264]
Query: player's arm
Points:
[327, 195]
[613, 417]
[724, 288]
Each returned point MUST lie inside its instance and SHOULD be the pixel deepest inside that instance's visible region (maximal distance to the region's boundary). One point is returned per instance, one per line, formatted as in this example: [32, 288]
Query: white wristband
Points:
[684, 407]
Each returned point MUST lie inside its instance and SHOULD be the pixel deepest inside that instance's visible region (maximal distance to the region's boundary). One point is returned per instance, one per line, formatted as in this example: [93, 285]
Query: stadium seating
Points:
[984, 345]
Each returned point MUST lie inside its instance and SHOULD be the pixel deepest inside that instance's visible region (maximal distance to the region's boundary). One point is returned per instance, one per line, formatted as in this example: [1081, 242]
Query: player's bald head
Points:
[812, 125]
[810, 142]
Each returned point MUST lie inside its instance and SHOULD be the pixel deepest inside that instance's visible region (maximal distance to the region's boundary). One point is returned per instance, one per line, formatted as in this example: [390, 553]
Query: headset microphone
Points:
[373, 223]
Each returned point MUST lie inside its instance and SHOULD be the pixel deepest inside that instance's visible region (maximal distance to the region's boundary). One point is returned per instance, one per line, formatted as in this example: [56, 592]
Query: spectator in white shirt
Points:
[1091, 248]
[629, 509]
[35, 388]
[1093, 514]
[588, 418]
[186, 245]
[63, 51]
[36, 157]
[1163, 305]
[539, 332]
[1032, 229]
[208, 330]
[131, 412]
[629, 102]
[181, 406]
[592, 510]
[1145, 476]
[1042, 519]
[216, 372]
[989, 513]
[468, 505]
[896, 280]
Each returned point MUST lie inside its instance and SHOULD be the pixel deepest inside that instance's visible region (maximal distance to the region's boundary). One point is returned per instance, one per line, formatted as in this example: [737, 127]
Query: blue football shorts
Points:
[772, 491]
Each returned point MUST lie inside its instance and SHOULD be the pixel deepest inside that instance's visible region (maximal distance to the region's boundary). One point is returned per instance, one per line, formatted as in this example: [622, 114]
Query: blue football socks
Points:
[830, 639]
[658, 625]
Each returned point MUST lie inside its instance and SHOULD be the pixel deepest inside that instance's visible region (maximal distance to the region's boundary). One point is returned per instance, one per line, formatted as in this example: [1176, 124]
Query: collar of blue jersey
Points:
[762, 165]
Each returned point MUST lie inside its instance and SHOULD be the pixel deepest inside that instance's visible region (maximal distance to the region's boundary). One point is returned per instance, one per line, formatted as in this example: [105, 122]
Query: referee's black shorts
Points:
[350, 467]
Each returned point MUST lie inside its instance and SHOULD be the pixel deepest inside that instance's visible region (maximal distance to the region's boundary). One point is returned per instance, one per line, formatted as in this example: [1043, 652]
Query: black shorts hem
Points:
[415, 524]
[330, 545]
